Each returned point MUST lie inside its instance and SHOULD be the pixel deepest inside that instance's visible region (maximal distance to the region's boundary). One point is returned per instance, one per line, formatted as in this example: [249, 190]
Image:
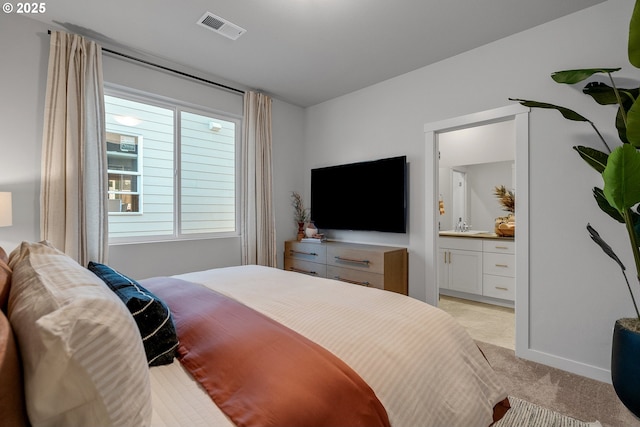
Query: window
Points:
[172, 170]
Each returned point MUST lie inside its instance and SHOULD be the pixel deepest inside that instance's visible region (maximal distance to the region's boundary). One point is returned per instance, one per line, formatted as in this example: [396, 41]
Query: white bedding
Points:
[422, 365]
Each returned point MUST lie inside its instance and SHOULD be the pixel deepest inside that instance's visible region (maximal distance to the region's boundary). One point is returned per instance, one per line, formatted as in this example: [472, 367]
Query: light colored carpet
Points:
[578, 397]
[572, 395]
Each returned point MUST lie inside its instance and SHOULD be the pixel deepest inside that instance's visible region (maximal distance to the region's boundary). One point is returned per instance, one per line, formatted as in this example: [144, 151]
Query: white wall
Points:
[24, 45]
[288, 169]
[576, 293]
[478, 144]
[23, 71]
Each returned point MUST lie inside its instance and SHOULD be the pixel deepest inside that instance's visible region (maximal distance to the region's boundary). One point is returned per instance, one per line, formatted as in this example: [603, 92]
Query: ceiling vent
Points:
[221, 26]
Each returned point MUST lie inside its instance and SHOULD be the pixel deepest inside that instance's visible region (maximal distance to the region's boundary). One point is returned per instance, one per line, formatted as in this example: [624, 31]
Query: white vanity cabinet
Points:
[460, 265]
[476, 268]
[499, 269]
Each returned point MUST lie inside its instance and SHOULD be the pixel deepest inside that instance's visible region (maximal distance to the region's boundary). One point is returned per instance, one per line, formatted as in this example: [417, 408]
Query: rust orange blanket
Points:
[259, 372]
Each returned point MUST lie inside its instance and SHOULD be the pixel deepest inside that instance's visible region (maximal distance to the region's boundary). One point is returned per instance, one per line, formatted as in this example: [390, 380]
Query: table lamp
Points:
[5, 209]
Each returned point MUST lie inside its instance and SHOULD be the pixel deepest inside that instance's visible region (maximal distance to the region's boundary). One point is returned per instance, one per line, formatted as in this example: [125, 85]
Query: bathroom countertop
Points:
[473, 235]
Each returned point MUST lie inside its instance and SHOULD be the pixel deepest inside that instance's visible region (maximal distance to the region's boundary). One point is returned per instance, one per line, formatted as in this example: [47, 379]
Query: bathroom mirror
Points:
[473, 162]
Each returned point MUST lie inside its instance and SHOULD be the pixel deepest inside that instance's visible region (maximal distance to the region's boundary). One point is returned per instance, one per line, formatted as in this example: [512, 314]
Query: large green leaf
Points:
[595, 158]
[576, 76]
[634, 36]
[604, 94]
[605, 206]
[622, 178]
[633, 124]
[621, 126]
[629, 95]
[566, 113]
[595, 236]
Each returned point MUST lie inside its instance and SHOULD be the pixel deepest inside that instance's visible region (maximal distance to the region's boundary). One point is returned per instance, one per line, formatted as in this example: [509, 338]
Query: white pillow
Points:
[83, 359]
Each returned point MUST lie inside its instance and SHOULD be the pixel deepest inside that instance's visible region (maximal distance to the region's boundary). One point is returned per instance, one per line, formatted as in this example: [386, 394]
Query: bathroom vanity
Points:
[479, 266]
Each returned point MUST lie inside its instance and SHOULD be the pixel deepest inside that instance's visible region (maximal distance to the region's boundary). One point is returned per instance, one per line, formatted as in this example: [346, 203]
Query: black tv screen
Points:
[368, 196]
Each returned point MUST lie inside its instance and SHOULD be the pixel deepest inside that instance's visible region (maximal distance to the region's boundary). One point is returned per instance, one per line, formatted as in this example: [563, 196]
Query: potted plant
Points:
[619, 197]
[300, 214]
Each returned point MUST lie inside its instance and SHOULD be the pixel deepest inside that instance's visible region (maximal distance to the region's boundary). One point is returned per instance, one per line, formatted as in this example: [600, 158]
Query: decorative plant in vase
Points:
[506, 225]
[619, 197]
[300, 214]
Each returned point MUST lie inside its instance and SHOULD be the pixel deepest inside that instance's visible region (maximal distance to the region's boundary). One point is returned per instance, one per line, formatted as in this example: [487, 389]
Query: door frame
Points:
[520, 116]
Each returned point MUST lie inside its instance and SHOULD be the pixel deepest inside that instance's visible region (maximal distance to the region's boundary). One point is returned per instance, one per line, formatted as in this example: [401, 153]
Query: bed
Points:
[74, 352]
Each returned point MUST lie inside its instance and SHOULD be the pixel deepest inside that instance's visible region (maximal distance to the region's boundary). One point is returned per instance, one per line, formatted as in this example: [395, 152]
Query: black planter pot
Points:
[625, 367]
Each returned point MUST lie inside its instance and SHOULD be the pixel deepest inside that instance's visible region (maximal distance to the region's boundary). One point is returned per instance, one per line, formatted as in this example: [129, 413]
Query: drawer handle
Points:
[502, 247]
[292, 252]
[357, 261]
[354, 282]
[502, 265]
[502, 288]
[297, 270]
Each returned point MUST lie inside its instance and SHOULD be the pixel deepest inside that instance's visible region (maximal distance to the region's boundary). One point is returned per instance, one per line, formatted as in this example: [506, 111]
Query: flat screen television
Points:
[369, 196]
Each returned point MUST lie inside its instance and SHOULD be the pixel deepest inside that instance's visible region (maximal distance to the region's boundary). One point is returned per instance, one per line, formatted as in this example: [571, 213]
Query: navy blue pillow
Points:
[151, 314]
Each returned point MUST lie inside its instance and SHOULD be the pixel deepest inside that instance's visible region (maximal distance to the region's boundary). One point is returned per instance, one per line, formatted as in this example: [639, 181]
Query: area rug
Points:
[527, 414]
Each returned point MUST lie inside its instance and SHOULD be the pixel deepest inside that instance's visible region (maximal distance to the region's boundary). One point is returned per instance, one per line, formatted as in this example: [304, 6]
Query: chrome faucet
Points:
[462, 226]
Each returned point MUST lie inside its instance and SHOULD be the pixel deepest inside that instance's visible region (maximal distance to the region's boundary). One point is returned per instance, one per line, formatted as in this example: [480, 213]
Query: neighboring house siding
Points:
[156, 129]
[208, 175]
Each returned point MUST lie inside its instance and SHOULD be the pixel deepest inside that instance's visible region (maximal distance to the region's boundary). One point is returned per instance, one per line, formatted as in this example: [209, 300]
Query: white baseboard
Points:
[578, 368]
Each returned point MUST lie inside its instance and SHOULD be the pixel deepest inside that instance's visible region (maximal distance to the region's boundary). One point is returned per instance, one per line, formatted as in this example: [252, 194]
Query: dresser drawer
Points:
[498, 287]
[314, 252]
[357, 277]
[305, 267]
[356, 258]
[499, 264]
[499, 246]
[383, 267]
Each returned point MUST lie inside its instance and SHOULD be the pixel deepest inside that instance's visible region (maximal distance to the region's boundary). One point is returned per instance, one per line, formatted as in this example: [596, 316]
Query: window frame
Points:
[178, 106]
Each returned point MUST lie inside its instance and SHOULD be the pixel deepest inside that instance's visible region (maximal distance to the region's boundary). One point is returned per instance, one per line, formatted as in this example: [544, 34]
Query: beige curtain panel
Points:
[74, 170]
[258, 219]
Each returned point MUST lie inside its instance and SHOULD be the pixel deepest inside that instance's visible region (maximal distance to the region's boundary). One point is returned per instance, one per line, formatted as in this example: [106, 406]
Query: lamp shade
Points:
[5, 209]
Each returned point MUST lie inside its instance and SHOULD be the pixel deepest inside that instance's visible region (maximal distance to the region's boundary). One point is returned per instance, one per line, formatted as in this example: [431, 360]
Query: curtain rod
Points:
[162, 67]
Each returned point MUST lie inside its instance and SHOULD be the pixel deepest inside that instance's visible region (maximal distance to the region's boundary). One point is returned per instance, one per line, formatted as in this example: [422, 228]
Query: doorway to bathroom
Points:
[481, 277]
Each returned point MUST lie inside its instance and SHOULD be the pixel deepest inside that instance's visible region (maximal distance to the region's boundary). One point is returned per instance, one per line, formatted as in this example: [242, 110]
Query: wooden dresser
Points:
[381, 267]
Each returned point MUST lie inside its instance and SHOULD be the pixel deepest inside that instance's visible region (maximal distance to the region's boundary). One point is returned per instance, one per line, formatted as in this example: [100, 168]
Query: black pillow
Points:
[151, 314]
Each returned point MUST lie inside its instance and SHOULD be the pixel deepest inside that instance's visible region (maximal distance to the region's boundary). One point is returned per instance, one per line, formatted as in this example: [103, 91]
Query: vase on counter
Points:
[311, 230]
[505, 226]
